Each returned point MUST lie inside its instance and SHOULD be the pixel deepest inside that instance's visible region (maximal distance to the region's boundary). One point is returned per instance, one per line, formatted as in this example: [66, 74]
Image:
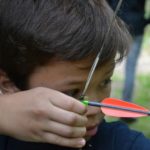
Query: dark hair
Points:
[33, 31]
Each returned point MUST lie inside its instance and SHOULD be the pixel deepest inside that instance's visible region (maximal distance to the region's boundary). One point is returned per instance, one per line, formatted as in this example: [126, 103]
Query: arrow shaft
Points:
[90, 103]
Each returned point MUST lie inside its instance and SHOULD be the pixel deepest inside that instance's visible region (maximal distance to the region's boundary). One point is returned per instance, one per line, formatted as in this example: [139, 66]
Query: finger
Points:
[66, 117]
[69, 103]
[65, 130]
[62, 141]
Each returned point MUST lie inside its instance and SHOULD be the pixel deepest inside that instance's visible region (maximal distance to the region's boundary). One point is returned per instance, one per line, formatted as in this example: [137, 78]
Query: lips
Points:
[91, 131]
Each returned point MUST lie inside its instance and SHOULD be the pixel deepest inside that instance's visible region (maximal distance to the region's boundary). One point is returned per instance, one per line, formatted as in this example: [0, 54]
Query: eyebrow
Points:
[85, 67]
[74, 81]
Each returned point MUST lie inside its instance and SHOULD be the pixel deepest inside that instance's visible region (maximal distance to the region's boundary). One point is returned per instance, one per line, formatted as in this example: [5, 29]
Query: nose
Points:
[92, 110]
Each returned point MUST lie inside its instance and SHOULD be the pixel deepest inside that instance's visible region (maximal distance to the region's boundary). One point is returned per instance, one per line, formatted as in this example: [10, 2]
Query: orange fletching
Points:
[122, 113]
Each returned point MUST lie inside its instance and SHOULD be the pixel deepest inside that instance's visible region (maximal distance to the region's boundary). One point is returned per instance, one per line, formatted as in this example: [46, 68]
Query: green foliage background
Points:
[142, 87]
[142, 83]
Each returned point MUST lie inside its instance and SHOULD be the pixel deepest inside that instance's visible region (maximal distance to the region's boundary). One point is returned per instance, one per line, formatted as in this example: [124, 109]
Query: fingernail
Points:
[81, 143]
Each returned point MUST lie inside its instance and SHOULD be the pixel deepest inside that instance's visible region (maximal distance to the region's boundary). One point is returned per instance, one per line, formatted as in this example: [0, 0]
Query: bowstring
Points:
[94, 65]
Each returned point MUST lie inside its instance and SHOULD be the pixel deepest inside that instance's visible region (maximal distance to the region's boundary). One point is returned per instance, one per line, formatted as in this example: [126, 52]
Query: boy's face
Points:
[70, 78]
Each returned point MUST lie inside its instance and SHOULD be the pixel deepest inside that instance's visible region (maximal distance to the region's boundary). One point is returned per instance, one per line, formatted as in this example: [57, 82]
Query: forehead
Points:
[58, 74]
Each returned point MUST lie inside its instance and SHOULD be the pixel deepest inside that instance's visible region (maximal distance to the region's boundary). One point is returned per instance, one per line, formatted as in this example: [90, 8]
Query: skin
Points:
[45, 107]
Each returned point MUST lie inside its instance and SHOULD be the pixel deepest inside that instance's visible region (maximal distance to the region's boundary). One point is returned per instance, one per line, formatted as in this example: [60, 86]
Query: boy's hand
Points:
[43, 115]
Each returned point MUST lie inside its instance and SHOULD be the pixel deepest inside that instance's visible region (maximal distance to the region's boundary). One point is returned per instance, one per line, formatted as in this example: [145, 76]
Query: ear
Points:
[6, 85]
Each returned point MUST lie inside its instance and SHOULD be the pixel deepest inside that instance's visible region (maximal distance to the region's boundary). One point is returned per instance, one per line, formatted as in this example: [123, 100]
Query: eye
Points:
[105, 83]
[73, 93]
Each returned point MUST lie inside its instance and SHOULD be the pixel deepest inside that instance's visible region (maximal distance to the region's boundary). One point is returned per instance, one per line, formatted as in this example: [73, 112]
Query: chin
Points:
[91, 132]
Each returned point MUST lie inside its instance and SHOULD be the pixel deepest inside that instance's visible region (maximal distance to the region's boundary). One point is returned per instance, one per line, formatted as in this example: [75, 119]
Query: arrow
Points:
[119, 108]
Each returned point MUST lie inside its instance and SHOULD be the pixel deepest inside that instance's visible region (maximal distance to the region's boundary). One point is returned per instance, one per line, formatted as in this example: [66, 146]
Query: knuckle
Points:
[83, 131]
[40, 113]
[70, 132]
[52, 139]
[73, 104]
[38, 89]
[85, 120]
[41, 91]
[62, 141]
[84, 110]
[76, 132]
[57, 140]
[73, 119]
[70, 105]
[34, 134]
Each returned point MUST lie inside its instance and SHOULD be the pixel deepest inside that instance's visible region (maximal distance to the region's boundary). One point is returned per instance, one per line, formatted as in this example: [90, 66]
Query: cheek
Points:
[98, 94]
[103, 93]
[106, 92]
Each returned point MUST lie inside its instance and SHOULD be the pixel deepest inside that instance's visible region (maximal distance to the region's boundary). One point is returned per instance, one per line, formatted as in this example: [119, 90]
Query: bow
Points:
[92, 70]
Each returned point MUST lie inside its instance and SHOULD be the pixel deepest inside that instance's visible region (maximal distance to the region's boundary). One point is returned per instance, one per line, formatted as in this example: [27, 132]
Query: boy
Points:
[52, 44]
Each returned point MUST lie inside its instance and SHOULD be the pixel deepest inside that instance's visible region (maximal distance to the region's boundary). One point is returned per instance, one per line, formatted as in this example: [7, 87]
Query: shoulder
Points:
[117, 135]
